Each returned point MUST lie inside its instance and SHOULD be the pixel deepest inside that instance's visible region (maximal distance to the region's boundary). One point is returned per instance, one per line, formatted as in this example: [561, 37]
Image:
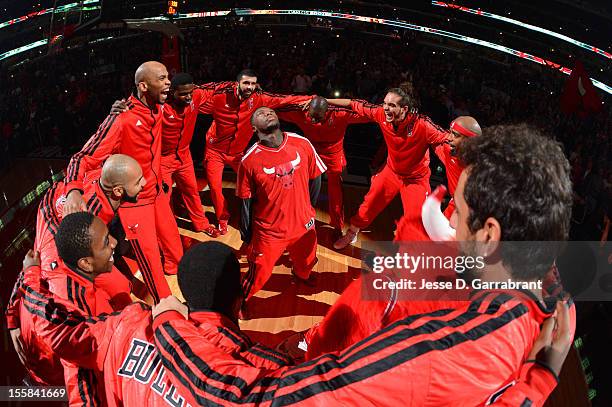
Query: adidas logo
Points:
[171, 116]
[138, 123]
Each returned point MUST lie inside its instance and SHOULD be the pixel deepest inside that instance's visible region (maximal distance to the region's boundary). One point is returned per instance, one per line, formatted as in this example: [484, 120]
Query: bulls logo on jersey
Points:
[285, 171]
[59, 204]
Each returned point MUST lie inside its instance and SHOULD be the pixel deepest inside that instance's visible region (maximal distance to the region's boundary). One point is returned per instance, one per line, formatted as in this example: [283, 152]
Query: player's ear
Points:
[85, 264]
[118, 191]
[142, 86]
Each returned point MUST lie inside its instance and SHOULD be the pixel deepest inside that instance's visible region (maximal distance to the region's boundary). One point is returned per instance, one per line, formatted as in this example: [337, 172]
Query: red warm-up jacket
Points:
[136, 133]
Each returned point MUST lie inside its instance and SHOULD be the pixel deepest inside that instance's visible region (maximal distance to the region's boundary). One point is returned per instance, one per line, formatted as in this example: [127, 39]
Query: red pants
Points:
[150, 227]
[214, 162]
[182, 172]
[335, 164]
[385, 186]
[263, 255]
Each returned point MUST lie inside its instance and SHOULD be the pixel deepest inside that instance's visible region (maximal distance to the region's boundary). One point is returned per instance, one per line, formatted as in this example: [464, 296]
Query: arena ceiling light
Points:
[19, 50]
[524, 25]
[25, 48]
[67, 7]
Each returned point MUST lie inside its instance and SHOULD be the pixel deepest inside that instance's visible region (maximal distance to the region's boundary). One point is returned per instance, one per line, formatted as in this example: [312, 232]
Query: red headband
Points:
[462, 130]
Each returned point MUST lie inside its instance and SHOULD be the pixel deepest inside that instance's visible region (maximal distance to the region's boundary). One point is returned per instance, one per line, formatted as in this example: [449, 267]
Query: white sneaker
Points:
[349, 238]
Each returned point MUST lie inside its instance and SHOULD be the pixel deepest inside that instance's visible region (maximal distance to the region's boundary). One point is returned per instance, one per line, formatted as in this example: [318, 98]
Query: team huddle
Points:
[74, 322]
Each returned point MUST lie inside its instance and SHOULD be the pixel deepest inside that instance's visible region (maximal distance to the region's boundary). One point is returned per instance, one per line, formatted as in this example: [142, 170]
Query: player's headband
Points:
[462, 130]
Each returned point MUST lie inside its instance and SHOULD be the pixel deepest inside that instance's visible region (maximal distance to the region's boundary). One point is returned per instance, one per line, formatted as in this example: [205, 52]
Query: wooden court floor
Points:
[282, 308]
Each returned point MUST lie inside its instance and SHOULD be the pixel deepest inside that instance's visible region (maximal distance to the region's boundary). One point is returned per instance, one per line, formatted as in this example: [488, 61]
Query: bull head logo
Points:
[284, 171]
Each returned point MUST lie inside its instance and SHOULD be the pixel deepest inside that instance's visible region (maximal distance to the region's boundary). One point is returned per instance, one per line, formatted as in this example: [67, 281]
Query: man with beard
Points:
[408, 136]
[121, 181]
[462, 356]
[277, 180]
[149, 224]
[461, 128]
[232, 105]
[325, 127]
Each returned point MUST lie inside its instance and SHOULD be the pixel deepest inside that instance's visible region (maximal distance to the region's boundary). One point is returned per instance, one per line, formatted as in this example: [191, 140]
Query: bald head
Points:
[118, 168]
[318, 109]
[151, 79]
[468, 123]
[147, 70]
[123, 176]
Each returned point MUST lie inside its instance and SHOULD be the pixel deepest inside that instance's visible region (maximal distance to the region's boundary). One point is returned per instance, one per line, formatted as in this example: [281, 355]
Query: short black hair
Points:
[209, 277]
[245, 72]
[73, 239]
[181, 78]
[521, 178]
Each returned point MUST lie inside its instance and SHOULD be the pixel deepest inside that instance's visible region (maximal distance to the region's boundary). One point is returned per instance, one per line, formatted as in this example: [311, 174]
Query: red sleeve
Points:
[367, 110]
[353, 118]
[261, 356]
[204, 94]
[274, 101]
[441, 152]
[316, 166]
[184, 352]
[532, 389]
[101, 145]
[12, 308]
[434, 133]
[243, 188]
[75, 338]
[291, 115]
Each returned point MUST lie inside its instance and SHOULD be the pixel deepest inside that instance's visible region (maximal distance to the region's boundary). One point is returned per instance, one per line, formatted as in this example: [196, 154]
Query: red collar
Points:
[212, 317]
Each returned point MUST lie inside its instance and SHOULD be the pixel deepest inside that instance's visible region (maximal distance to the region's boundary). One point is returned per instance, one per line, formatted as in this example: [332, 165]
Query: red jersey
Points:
[179, 124]
[136, 133]
[121, 347]
[408, 143]
[232, 115]
[446, 357]
[277, 180]
[328, 135]
[452, 165]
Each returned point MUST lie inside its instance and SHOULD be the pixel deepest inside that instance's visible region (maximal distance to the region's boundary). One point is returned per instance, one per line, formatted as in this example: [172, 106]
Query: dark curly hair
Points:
[73, 240]
[209, 277]
[520, 178]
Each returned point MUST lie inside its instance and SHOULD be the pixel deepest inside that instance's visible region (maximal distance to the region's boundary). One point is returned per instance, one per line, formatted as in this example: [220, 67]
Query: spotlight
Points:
[337, 93]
